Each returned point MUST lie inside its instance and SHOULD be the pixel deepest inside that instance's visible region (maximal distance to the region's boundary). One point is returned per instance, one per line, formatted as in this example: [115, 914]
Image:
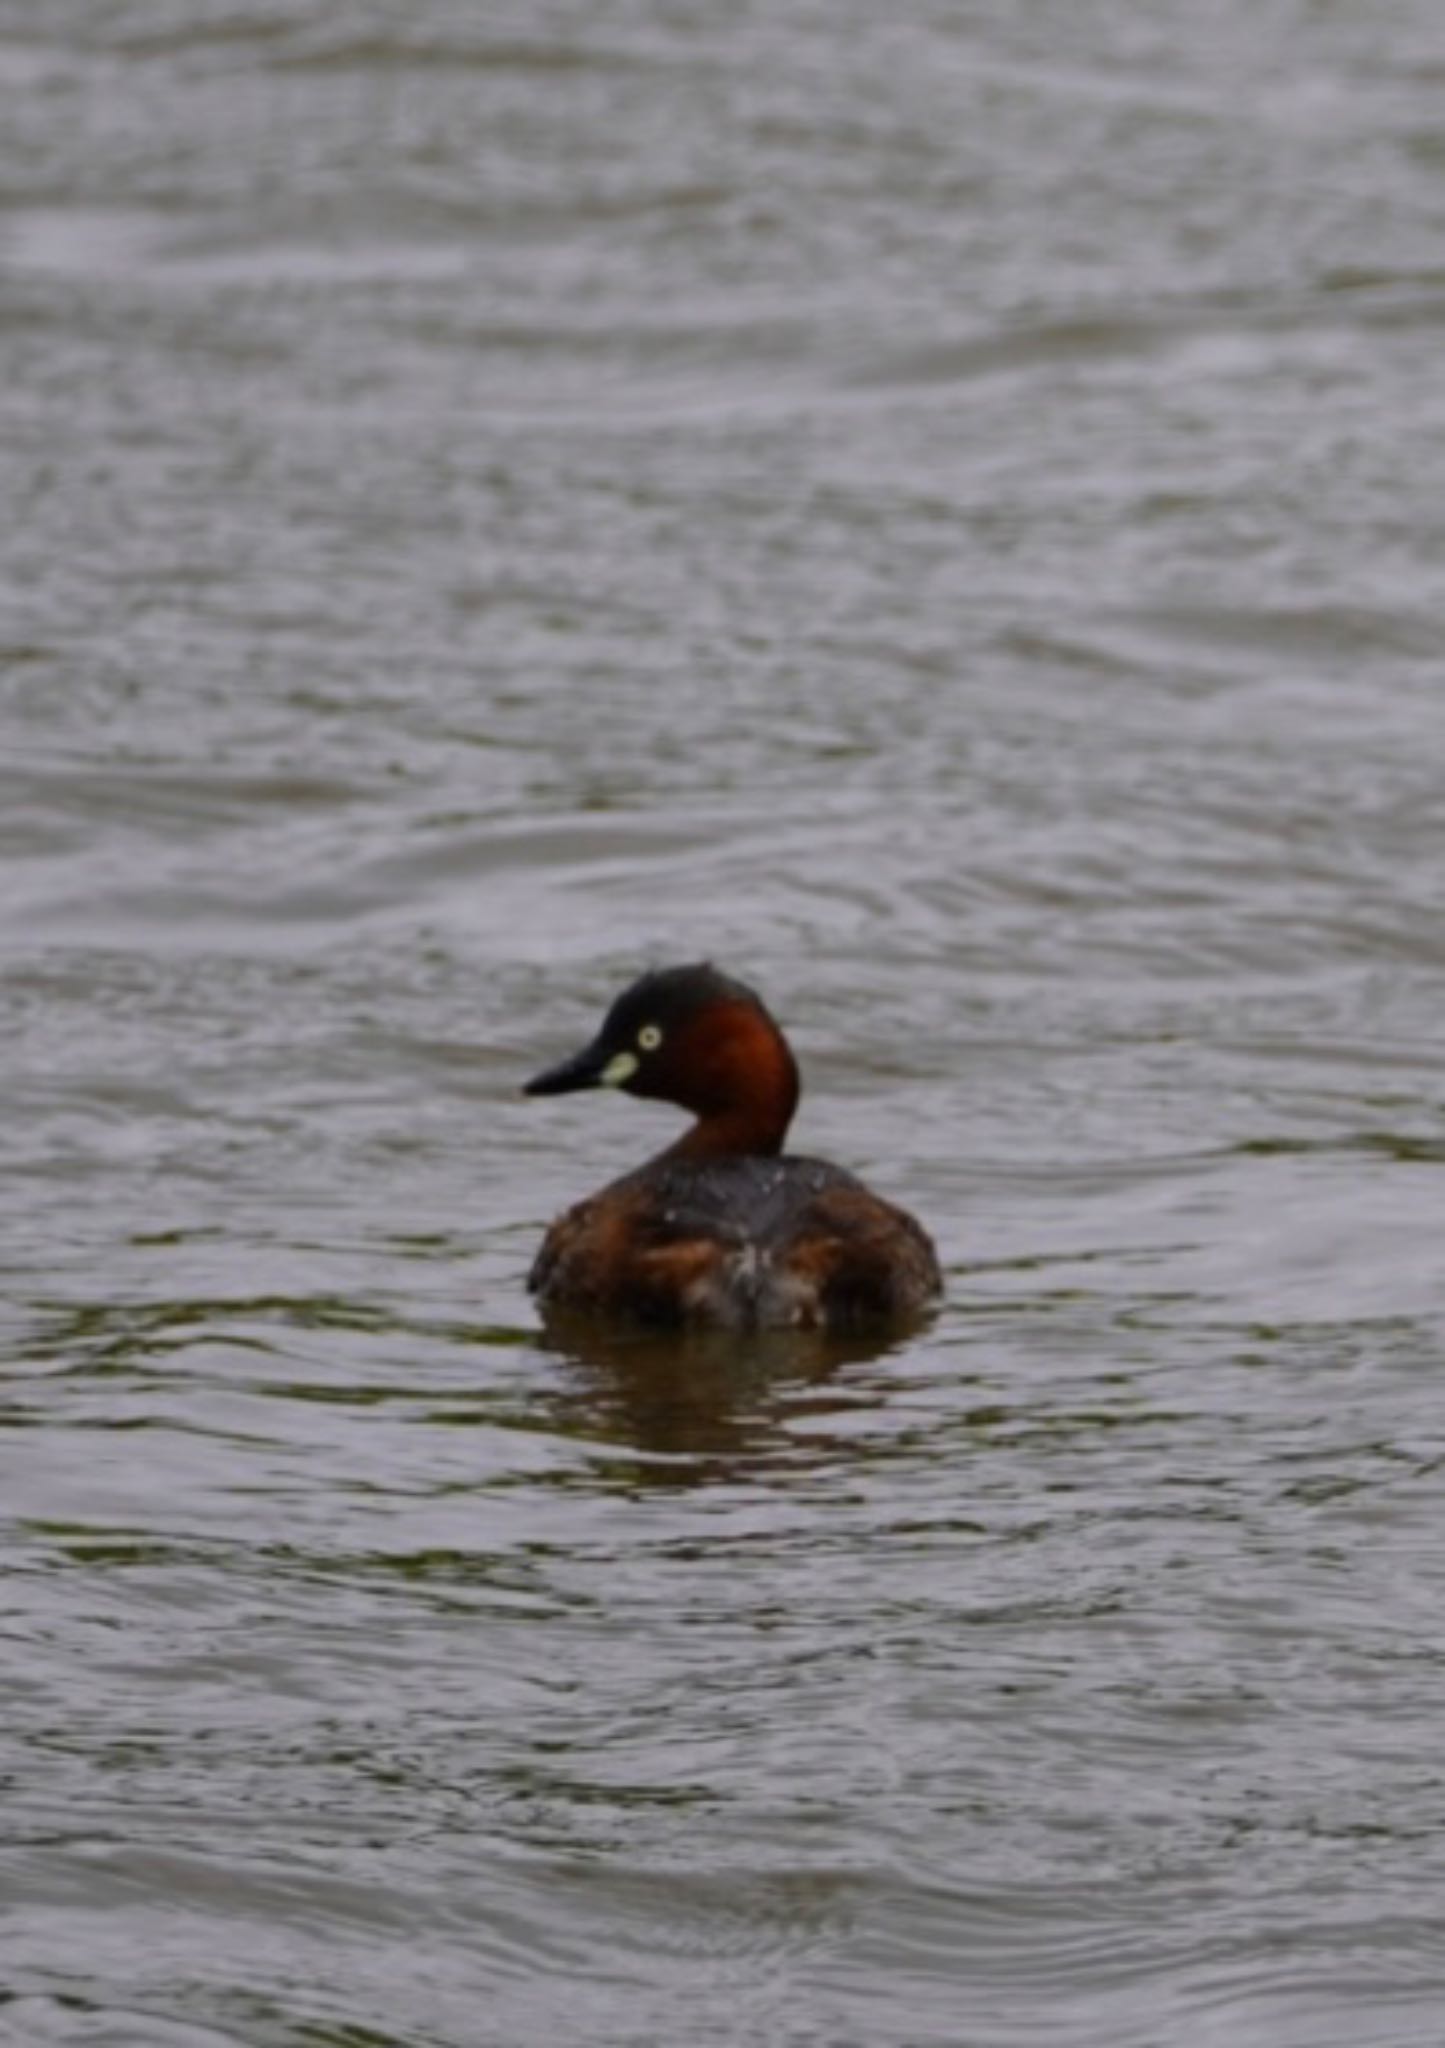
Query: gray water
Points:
[938, 508]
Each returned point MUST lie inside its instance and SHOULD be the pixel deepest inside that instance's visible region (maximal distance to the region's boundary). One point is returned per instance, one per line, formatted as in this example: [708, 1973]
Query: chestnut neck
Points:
[740, 1079]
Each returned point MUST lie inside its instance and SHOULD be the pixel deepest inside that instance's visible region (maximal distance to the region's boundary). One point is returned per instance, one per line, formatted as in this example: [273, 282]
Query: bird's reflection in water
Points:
[708, 1402]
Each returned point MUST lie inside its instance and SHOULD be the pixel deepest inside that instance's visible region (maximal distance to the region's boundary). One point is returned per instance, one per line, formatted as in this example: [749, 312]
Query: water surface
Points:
[938, 509]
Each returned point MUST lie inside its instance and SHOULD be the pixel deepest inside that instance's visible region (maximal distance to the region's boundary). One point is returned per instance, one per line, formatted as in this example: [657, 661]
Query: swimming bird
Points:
[723, 1228]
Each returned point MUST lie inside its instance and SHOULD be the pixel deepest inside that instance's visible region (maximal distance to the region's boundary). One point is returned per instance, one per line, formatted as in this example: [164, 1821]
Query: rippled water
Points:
[938, 508]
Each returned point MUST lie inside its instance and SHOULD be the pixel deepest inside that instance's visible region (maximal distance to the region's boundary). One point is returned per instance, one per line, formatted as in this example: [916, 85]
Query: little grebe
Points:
[719, 1229]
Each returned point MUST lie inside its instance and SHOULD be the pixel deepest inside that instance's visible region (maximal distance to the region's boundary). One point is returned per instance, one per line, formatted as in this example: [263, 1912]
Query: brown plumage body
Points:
[722, 1228]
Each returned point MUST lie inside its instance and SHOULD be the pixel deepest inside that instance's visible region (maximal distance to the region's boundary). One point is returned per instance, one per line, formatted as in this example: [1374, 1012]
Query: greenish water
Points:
[939, 510]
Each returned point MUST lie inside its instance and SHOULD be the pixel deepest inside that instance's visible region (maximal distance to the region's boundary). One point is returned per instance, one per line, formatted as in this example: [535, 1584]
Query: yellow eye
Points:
[649, 1037]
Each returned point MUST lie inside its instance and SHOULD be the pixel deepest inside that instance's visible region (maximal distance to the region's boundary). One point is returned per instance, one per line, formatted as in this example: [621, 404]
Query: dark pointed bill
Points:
[583, 1070]
[599, 1065]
